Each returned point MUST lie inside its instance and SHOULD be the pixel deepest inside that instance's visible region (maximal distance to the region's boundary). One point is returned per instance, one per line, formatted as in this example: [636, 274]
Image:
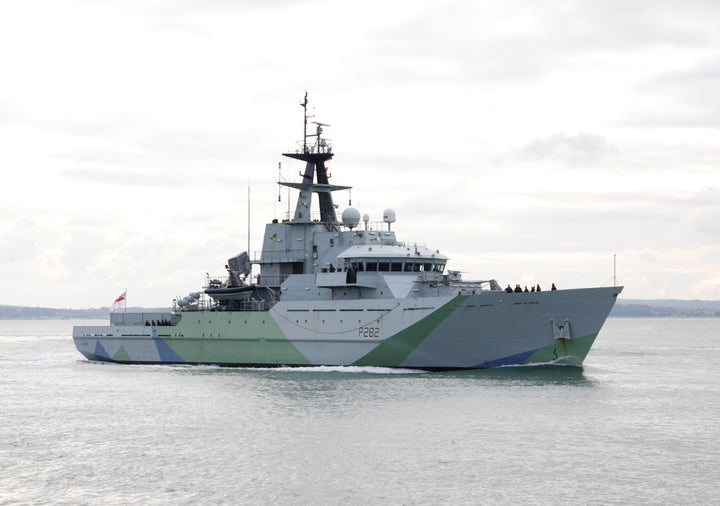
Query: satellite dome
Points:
[389, 216]
[351, 217]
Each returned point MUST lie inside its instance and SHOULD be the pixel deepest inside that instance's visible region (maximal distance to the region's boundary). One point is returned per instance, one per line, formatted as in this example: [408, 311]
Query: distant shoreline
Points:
[46, 313]
[666, 308]
[630, 308]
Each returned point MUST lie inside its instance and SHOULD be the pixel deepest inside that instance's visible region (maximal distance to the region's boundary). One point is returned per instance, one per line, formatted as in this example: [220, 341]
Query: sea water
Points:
[638, 424]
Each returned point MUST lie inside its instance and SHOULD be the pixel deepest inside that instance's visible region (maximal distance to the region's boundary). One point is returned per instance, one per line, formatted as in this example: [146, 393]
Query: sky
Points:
[574, 142]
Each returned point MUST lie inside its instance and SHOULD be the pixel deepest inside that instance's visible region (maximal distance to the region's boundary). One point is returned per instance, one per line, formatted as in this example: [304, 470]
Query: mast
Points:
[314, 155]
[614, 269]
[305, 117]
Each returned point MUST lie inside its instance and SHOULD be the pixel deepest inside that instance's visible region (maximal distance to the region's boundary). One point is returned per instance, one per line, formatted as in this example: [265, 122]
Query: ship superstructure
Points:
[338, 292]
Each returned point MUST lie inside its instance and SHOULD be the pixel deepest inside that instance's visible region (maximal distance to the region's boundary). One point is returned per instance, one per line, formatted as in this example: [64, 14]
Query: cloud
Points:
[703, 219]
[579, 149]
[487, 41]
[688, 97]
[32, 249]
[218, 7]
[687, 271]
[147, 155]
[164, 148]
[11, 114]
[124, 177]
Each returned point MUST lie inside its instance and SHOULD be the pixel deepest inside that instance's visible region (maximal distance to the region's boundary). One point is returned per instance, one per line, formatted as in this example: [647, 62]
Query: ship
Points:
[338, 292]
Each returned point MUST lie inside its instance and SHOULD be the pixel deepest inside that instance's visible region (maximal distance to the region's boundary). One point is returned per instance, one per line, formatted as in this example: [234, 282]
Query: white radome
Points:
[351, 217]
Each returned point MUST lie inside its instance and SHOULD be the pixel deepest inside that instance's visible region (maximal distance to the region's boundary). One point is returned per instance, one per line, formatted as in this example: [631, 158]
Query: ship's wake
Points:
[41, 359]
[346, 369]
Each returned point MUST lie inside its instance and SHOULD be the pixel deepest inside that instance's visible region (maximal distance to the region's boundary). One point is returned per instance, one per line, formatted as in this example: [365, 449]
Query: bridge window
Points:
[385, 265]
[412, 267]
